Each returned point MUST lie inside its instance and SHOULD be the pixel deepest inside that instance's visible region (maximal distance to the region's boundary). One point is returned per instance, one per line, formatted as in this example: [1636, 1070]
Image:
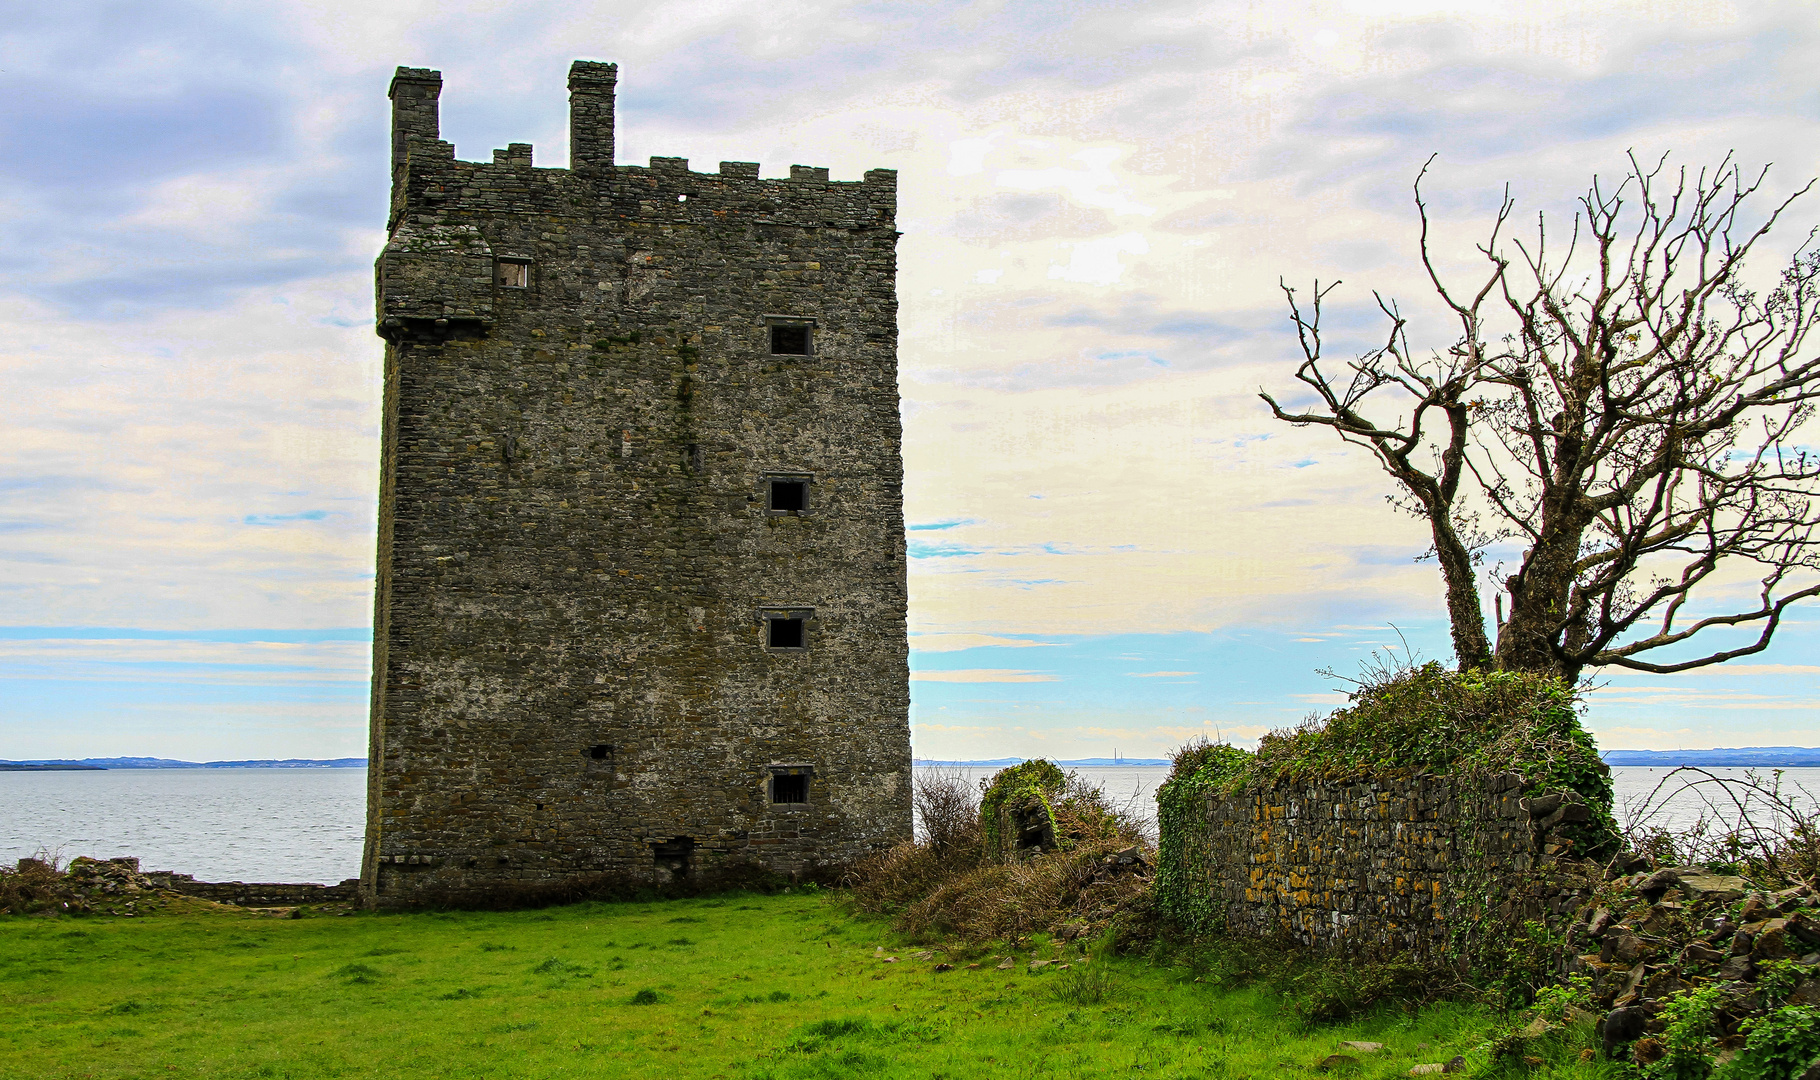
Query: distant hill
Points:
[1760, 757]
[35, 766]
[170, 763]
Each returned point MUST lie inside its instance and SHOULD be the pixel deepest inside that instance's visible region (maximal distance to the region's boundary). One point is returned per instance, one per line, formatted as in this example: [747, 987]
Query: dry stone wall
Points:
[1378, 865]
[258, 894]
[580, 556]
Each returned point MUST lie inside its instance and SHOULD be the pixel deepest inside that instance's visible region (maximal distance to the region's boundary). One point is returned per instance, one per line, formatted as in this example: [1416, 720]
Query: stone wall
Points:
[257, 894]
[579, 555]
[1381, 865]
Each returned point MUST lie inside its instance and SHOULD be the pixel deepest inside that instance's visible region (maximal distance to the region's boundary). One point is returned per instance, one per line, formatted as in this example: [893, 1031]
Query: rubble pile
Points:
[85, 886]
[1652, 933]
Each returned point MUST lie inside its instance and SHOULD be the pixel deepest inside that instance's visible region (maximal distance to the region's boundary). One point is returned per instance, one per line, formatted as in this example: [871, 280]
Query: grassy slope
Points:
[748, 987]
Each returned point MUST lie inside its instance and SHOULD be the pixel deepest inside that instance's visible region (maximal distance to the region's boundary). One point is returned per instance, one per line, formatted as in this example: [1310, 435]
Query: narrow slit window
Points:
[512, 274]
[790, 788]
[789, 496]
[782, 633]
[789, 340]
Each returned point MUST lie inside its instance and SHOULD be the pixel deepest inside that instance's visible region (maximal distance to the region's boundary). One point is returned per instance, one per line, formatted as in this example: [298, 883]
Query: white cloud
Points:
[936, 643]
[1096, 262]
[982, 675]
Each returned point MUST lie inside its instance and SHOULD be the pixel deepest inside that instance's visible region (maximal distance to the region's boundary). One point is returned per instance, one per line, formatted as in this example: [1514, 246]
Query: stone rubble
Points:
[1651, 933]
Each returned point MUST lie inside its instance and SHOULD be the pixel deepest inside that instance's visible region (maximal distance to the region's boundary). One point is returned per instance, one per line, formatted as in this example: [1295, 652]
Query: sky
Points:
[1114, 548]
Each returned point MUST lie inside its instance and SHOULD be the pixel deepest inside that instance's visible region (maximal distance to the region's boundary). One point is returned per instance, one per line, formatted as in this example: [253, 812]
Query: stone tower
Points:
[640, 599]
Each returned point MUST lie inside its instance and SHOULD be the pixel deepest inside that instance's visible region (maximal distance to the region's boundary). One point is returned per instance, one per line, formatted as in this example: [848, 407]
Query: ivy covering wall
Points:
[1433, 809]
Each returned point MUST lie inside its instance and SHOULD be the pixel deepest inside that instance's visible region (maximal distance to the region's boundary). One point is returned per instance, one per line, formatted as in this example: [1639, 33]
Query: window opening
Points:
[600, 751]
[512, 274]
[787, 340]
[790, 788]
[784, 633]
[789, 496]
[673, 856]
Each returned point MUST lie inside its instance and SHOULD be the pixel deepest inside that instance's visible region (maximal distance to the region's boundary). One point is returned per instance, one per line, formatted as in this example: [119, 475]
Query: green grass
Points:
[741, 987]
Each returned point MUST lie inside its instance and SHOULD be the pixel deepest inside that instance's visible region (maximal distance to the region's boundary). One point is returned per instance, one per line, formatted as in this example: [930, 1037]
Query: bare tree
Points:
[1628, 412]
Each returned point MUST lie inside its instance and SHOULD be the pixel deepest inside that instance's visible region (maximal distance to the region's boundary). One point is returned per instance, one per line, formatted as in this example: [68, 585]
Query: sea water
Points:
[306, 824]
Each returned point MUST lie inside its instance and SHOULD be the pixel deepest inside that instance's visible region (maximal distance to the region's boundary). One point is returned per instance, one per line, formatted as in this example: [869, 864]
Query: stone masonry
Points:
[1383, 865]
[639, 615]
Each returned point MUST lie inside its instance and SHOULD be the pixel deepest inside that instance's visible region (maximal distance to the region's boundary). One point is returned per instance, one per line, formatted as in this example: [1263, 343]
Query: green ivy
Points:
[1468, 723]
[1038, 777]
[1182, 842]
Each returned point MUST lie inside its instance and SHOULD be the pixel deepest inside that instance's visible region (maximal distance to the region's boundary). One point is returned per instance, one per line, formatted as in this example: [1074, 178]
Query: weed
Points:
[357, 973]
[1777, 979]
[810, 1038]
[1084, 984]
[494, 946]
[1779, 1046]
[558, 966]
[1553, 1002]
[647, 996]
[1688, 1035]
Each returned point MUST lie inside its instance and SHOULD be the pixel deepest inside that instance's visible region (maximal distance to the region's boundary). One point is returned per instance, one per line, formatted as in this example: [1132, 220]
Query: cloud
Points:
[982, 675]
[934, 643]
[1741, 670]
[1096, 262]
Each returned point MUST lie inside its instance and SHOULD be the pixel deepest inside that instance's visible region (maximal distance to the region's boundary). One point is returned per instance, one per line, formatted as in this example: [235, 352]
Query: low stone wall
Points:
[1375, 865]
[258, 894]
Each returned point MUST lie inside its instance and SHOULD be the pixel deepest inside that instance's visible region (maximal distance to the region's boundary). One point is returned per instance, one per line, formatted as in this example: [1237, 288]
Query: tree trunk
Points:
[1465, 612]
[1538, 606]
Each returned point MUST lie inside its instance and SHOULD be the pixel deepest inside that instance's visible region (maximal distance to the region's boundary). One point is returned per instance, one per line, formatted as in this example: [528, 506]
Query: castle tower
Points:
[639, 614]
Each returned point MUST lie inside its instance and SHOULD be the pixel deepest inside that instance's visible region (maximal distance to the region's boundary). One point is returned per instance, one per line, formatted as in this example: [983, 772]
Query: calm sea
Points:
[306, 824]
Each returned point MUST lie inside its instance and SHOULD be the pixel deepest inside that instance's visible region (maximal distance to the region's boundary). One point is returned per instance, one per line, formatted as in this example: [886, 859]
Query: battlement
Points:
[416, 135]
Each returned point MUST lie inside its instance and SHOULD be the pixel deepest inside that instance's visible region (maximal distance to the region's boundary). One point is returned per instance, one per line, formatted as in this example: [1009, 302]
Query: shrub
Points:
[1779, 1046]
[35, 884]
[951, 844]
[952, 883]
[1690, 1025]
[1471, 722]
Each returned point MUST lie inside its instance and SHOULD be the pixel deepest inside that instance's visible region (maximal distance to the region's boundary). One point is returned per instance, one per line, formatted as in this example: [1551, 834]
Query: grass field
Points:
[745, 987]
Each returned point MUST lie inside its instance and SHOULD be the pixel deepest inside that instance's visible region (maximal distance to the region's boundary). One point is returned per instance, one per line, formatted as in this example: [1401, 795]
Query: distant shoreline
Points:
[1746, 757]
[107, 764]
